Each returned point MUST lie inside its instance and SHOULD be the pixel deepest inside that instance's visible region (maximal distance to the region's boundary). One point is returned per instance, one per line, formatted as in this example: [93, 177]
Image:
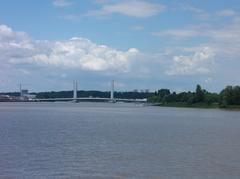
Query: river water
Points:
[117, 141]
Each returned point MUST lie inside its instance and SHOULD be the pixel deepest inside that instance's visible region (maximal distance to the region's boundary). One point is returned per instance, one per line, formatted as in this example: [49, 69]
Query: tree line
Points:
[229, 96]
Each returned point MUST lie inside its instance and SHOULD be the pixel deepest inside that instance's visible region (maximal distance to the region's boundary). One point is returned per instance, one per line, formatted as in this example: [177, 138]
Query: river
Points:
[117, 141]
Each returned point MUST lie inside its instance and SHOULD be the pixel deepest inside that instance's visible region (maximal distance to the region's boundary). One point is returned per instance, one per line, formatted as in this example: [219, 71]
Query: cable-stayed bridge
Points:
[91, 99]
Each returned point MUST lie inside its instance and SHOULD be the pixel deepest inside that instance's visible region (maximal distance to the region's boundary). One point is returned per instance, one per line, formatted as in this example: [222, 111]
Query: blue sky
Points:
[153, 44]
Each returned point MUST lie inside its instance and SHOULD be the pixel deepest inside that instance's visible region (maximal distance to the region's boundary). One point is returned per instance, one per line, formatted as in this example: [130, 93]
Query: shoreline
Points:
[197, 105]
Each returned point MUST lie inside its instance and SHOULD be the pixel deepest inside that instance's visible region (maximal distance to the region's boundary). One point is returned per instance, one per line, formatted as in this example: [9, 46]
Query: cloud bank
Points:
[21, 55]
[18, 48]
[199, 63]
[76, 53]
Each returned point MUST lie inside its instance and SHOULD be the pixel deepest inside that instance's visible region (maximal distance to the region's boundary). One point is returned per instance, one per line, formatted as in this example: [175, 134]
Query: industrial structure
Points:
[24, 94]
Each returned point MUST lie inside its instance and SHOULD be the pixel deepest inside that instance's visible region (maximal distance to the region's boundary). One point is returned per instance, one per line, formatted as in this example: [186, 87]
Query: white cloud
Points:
[137, 27]
[84, 54]
[103, 1]
[191, 8]
[7, 34]
[198, 63]
[179, 33]
[133, 8]
[76, 53]
[197, 12]
[14, 45]
[226, 13]
[229, 33]
[205, 15]
[62, 3]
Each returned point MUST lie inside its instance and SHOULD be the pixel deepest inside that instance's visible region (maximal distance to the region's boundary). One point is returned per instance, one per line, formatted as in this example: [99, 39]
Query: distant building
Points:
[26, 96]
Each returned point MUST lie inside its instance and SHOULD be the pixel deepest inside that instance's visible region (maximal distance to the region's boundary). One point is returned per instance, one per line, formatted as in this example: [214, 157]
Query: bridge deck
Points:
[91, 99]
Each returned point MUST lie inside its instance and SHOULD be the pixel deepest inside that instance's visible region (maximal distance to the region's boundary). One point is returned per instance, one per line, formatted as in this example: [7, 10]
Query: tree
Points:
[210, 98]
[230, 96]
[163, 92]
[199, 95]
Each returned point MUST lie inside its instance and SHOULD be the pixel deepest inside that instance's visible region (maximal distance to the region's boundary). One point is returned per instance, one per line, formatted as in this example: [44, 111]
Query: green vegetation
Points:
[227, 98]
[200, 98]
[230, 96]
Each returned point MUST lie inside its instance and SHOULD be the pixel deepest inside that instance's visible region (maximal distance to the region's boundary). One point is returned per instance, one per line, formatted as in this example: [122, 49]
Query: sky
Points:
[141, 44]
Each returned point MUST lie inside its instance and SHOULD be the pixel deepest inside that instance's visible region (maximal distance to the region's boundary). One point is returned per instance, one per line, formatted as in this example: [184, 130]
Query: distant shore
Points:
[197, 105]
[228, 98]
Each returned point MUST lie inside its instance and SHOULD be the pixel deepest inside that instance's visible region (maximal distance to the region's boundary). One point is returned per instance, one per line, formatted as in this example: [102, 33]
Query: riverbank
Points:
[197, 105]
[228, 98]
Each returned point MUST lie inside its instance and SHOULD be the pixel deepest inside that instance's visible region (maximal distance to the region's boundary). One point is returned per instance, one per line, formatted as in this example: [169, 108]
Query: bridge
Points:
[91, 99]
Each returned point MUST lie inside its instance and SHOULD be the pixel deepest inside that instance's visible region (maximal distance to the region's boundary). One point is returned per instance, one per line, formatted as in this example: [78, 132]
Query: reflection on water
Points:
[101, 140]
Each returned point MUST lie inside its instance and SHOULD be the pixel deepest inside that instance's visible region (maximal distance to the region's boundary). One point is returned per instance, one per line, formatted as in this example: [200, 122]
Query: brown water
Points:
[101, 140]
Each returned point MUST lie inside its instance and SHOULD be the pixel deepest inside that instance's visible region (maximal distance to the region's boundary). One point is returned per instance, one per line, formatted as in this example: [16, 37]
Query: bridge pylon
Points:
[112, 91]
[75, 89]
